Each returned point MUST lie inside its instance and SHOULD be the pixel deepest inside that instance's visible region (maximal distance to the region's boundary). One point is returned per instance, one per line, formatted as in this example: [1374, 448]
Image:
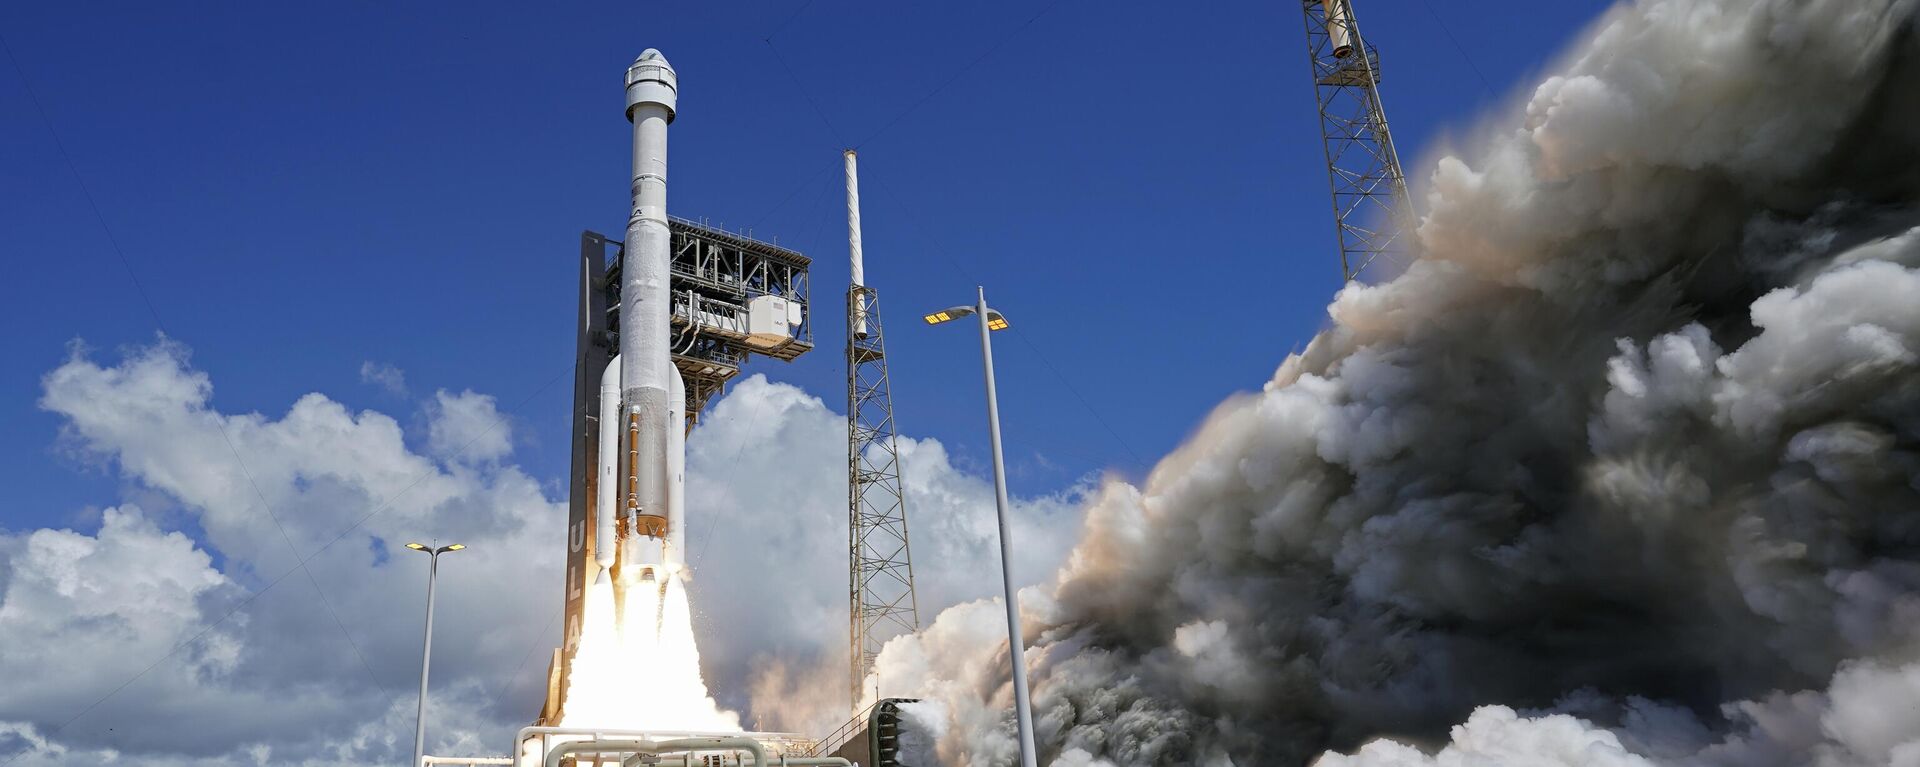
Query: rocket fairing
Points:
[642, 397]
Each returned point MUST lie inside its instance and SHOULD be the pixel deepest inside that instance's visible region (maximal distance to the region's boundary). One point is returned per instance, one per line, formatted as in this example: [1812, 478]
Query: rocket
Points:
[639, 504]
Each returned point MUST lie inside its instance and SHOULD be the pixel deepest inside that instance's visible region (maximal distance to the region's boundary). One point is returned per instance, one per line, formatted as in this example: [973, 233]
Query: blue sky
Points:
[298, 193]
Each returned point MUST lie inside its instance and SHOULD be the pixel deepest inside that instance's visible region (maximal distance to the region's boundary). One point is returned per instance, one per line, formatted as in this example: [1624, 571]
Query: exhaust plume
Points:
[1624, 469]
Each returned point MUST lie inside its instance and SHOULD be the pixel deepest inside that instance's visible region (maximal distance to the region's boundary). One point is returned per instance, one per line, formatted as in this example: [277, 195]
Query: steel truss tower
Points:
[1372, 211]
[880, 599]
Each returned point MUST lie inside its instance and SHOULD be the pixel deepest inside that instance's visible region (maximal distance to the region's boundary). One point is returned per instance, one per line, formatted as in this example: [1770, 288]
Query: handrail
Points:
[834, 740]
[545, 737]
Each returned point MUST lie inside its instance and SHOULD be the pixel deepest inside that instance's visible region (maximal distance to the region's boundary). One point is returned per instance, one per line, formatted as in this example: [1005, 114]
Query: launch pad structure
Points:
[731, 297]
[668, 316]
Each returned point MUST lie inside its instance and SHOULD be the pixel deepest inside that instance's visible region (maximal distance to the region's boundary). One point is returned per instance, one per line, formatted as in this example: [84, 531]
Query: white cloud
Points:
[84, 611]
[384, 375]
[467, 427]
[1496, 736]
[767, 515]
[287, 674]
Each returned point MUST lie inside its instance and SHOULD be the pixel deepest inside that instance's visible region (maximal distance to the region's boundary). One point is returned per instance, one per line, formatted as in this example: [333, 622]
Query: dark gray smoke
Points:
[1624, 470]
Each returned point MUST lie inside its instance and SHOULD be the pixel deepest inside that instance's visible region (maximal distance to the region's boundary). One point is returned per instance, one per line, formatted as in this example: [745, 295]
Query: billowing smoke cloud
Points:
[1622, 470]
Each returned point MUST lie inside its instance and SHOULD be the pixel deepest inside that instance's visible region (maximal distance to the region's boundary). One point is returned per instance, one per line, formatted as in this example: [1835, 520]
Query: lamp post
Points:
[991, 320]
[426, 651]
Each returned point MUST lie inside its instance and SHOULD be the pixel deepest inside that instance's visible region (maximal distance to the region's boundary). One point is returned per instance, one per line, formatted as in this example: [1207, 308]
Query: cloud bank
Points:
[279, 681]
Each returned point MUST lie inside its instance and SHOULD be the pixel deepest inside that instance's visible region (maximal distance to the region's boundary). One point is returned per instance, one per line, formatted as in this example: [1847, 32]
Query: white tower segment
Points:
[853, 220]
[858, 263]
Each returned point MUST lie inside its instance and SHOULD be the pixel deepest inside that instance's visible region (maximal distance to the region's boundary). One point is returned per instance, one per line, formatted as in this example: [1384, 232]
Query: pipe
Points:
[646, 306]
[675, 556]
[632, 506]
[604, 544]
[857, 322]
[543, 731]
[783, 761]
[654, 748]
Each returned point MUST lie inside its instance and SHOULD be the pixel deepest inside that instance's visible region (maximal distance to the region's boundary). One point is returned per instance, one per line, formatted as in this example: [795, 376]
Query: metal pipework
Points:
[853, 243]
[675, 555]
[604, 541]
[650, 751]
[688, 760]
[654, 748]
[643, 518]
[645, 312]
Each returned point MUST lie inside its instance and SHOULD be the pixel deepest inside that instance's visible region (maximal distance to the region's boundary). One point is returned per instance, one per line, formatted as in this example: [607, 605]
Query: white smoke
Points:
[1623, 470]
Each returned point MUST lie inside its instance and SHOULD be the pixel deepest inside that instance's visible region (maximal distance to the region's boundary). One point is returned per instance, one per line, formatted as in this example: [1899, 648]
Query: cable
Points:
[956, 75]
[388, 503]
[84, 191]
[534, 645]
[1458, 47]
[795, 193]
[699, 546]
[835, 133]
[951, 261]
[821, 113]
[955, 263]
[92, 204]
[789, 20]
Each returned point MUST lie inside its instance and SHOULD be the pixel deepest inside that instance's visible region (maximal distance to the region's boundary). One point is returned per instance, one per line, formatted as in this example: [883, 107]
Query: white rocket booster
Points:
[607, 489]
[642, 433]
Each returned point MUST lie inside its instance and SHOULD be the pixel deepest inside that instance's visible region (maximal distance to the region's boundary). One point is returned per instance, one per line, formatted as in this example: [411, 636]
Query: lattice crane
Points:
[1372, 211]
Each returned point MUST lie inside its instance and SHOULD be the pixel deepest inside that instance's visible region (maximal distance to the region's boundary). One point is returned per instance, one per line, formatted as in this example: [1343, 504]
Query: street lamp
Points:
[991, 320]
[426, 652]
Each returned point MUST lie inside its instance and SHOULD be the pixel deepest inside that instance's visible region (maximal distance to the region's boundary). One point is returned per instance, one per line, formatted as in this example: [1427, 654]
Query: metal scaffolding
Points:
[717, 280]
[880, 597]
[716, 276]
[1372, 211]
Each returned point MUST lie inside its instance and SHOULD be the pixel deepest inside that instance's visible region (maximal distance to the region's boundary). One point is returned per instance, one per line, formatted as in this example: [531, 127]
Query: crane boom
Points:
[1372, 211]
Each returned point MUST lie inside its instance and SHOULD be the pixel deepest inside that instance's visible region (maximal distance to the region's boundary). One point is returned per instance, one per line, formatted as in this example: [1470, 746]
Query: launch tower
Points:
[880, 599]
[1372, 212]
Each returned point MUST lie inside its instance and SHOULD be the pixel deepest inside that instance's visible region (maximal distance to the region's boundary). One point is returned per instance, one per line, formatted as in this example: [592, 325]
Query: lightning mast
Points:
[880, 599]
[1372, 211]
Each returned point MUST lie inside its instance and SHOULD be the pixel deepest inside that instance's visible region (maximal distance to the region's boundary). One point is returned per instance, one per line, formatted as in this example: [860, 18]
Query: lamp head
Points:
[995, 320]
[948, 315]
